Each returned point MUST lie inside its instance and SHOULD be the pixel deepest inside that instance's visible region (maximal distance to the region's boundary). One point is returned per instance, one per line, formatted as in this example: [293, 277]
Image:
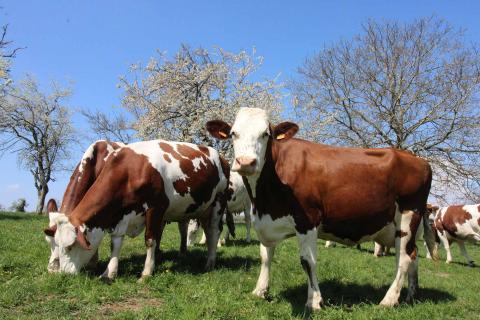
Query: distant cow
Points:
[237, 202]
[458, 224]
[349, 195]
[172, 181]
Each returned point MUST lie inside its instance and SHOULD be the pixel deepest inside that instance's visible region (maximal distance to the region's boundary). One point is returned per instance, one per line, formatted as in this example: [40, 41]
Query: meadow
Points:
[352, 282]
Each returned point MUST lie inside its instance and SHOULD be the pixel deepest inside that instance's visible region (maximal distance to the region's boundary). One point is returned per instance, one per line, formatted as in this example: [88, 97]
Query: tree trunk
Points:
[42, 193]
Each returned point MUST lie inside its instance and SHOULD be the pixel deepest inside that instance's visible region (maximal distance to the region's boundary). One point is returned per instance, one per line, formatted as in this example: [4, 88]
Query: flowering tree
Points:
[37, 127]
[172, 98]
[412, 87]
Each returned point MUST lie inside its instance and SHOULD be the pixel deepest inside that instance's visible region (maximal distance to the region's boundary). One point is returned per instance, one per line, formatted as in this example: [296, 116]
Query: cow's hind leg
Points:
[211, 224]
[308, 259]
[183, 230]
[446, 245]
[463, 250]
[153, 228]
[112, 268]
[266, 256]
[407, 224]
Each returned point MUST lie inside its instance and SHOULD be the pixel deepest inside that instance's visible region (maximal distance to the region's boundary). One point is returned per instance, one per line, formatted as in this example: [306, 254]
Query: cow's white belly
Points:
[270, 231]
[179, 204]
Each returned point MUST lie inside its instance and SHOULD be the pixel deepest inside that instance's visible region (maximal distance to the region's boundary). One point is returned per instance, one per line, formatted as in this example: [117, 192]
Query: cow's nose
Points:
[246, 161]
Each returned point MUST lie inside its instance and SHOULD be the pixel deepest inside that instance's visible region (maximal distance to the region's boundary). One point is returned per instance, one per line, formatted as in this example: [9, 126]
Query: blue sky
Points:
[92, 43]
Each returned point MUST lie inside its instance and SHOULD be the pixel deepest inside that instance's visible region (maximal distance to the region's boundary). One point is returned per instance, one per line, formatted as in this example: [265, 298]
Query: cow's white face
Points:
[72, 255]
[250, 135]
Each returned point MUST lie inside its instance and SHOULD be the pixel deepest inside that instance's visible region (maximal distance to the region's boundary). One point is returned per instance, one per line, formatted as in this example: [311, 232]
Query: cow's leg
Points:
[183, 230]
[158, 238]
[203, 240]
[308, 259]
[92, 263]
[193, 228]
[248, 225]
[153, 226]
[446, 245]
[211, 226]
[463, 250]
[112, 267]
[379, 250]
[406, 252]
[412, 281]
[329, 244]
[266, 256]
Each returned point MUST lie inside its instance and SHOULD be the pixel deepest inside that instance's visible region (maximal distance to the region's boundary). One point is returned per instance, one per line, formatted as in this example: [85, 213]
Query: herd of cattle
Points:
[287, 186]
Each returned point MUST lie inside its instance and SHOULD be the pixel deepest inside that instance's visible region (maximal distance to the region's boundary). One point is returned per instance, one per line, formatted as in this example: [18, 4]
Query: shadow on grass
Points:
[241, 243]
[192, 263]
[346, 295]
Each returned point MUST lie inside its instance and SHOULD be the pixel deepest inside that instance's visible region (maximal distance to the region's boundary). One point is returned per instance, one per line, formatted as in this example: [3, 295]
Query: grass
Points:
[352, 282]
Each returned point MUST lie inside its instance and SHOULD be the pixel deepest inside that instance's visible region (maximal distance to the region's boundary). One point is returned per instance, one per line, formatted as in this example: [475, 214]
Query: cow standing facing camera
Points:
[309, 190]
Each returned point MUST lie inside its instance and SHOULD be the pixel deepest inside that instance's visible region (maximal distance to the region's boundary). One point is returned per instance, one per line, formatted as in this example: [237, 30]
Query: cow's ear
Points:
[219, 129]
[82, 239]
[284, 130]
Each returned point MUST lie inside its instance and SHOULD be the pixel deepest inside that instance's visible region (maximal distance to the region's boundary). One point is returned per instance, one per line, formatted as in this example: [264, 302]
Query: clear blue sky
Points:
[93, 43]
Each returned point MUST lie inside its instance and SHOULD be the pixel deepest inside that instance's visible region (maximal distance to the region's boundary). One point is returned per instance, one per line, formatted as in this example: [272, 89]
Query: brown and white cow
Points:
[237, 202]
[85, 173]
[174, 181]
[458, 224]
[349, 195]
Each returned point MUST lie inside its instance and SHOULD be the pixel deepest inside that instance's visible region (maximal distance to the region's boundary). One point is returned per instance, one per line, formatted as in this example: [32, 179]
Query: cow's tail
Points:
[429, 235]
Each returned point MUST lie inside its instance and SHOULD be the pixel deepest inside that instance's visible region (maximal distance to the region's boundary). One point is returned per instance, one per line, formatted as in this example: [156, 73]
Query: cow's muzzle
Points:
[245, 166]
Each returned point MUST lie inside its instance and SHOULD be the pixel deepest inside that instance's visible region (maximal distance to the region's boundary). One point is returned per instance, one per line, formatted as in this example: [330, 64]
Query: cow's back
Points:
[343, 188]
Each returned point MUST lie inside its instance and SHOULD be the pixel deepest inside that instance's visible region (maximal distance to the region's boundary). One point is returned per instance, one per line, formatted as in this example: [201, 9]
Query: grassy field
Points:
[352, 282]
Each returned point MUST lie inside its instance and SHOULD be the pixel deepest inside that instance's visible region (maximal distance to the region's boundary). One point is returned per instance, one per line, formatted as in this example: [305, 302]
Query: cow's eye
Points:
[233, 134]
[265, 134]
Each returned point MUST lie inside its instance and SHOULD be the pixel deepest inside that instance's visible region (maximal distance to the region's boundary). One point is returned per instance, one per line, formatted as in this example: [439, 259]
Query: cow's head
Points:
[250, 134]
[76, 245]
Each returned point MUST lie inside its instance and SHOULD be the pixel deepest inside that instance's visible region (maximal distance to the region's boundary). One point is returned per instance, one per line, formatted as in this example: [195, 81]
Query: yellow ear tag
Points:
[223, 134]
[281, 136]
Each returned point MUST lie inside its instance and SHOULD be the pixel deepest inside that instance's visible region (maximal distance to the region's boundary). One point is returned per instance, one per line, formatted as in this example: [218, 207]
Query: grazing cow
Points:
[349, 195]
[84, 175]
[237, 202]
[172, 181]
[87, 170]
[458, 224]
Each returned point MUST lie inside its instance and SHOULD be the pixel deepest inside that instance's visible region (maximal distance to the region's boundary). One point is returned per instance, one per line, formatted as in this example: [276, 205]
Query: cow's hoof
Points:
[106, 279]
[388, 303]
[471, 264]
[449, 261]
[261, 293]
[315, 304]
[143, 278]
[209, 266]
[248, 240]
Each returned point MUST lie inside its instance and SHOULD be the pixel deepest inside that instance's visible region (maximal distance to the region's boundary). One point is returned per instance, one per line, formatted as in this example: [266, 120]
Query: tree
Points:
[111, 127]
[19, 205]
[172, 98]
[408, 86]
[6, 54]
[38, 128]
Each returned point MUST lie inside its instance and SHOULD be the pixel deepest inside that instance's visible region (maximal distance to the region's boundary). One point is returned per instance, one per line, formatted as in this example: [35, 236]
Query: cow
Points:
[237, 202]
[171, 181]
[85, 173]
[460, 224]
[309, 190]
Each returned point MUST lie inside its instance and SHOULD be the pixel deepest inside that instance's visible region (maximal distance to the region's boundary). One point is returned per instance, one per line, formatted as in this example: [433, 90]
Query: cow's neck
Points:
[267, 193]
